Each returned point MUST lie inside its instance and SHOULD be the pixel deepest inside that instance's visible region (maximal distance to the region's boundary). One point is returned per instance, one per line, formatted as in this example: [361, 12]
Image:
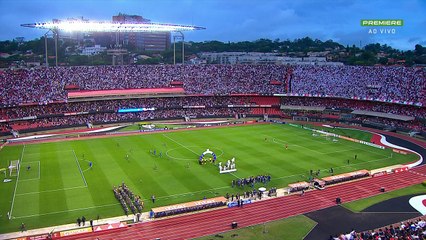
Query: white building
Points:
[262, 58]
[93, 50]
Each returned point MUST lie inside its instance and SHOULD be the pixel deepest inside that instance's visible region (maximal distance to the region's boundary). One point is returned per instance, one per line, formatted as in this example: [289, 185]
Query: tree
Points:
[419, 50]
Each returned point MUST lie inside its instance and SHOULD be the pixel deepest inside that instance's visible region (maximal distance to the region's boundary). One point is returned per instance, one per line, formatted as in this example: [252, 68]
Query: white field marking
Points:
[373, 152]
[181, 144]
[16, 184]
[79, 168]
[315, 139]
[319, 141]
[71, 210]
[189, 159]
[32, 179]
[347, 150]
[288, 176]
[38, 153]
[234, 175]
[293, 144]
[338, 167]
[54, 190]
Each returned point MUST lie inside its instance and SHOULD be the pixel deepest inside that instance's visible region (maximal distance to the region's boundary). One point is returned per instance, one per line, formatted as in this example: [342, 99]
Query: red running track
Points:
[201, 224]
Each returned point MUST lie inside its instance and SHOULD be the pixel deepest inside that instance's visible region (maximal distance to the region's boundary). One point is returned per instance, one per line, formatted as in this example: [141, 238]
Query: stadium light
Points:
[105, 26]
[82, 25]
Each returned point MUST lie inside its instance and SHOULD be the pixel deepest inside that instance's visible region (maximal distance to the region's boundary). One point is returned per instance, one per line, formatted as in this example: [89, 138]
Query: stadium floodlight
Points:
[82, 25]
[106, 26]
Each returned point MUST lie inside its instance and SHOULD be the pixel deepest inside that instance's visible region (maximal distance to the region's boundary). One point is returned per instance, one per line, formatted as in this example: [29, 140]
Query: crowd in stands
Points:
[409, 230]
[387, 83]
[114, 105]
[128, 199]
[47, 84]
[349, 104]
[251, 181]
[386, 123]
[101, 118]
[44, 85]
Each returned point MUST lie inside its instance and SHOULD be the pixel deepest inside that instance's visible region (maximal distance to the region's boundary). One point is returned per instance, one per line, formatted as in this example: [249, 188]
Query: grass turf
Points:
[290, 228]
[60, 186]
[359, 205]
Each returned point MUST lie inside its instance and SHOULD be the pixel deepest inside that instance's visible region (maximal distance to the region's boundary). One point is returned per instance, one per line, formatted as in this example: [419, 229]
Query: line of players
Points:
[251, 181]
[128, 199]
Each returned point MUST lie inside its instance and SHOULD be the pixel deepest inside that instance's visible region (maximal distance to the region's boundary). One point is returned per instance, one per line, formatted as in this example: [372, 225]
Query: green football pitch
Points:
[56, 185]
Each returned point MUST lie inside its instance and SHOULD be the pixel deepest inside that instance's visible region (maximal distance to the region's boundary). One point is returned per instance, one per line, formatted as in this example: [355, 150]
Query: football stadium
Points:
[313, 149]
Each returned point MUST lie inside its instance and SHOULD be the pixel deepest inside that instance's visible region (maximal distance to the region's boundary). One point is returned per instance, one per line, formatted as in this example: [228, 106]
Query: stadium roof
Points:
[73, 25]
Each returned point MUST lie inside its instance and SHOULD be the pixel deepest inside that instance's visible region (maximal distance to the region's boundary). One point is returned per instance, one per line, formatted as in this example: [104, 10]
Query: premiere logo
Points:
[382, 26]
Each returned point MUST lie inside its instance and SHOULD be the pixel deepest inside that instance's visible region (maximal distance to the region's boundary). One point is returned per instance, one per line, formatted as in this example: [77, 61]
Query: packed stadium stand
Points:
[380, 97]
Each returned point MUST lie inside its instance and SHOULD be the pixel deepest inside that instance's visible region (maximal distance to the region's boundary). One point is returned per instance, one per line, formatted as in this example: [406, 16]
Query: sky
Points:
[238, 20]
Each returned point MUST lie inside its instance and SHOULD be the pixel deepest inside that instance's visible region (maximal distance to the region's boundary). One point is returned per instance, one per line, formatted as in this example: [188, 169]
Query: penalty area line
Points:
[48, 191]
[79, 168]
[16, 184]
[65, 211]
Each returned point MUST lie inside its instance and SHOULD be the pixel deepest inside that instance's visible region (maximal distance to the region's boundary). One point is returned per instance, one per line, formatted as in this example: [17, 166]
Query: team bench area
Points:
[188, 207]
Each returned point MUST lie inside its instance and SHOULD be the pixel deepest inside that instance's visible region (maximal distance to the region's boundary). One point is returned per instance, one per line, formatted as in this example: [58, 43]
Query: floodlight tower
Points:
[181, 37]
[82, 25]
[55, 35]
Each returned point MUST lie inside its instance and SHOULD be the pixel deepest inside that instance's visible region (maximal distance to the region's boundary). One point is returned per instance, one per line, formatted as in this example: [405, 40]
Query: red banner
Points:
[109, 226]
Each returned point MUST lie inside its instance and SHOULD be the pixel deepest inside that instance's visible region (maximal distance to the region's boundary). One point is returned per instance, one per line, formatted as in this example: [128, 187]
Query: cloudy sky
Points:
[237, 20]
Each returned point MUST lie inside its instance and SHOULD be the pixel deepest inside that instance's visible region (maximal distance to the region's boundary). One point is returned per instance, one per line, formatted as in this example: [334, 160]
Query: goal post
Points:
[14, 168]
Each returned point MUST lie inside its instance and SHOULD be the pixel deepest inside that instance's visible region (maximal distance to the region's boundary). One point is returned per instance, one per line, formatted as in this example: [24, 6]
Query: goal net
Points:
[14, 168]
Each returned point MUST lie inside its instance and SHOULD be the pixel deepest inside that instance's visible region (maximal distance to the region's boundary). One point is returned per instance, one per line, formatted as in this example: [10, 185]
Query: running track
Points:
[201, 224]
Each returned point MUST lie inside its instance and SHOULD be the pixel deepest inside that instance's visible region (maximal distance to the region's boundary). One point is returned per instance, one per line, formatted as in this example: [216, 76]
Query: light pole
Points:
[55, 36]
[181, 37]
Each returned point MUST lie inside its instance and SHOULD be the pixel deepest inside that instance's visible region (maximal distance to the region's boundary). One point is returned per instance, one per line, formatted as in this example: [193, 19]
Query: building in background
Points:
[147, 41]
[97, 49]
[262, 58]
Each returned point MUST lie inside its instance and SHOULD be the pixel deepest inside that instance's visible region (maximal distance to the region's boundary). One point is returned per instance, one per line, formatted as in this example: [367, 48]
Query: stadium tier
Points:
[45, 85]
[42, 98]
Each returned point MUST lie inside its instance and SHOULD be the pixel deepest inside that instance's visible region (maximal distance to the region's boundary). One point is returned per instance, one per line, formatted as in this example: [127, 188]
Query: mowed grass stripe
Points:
[99, 193]
[54, 164]
[172, 181]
